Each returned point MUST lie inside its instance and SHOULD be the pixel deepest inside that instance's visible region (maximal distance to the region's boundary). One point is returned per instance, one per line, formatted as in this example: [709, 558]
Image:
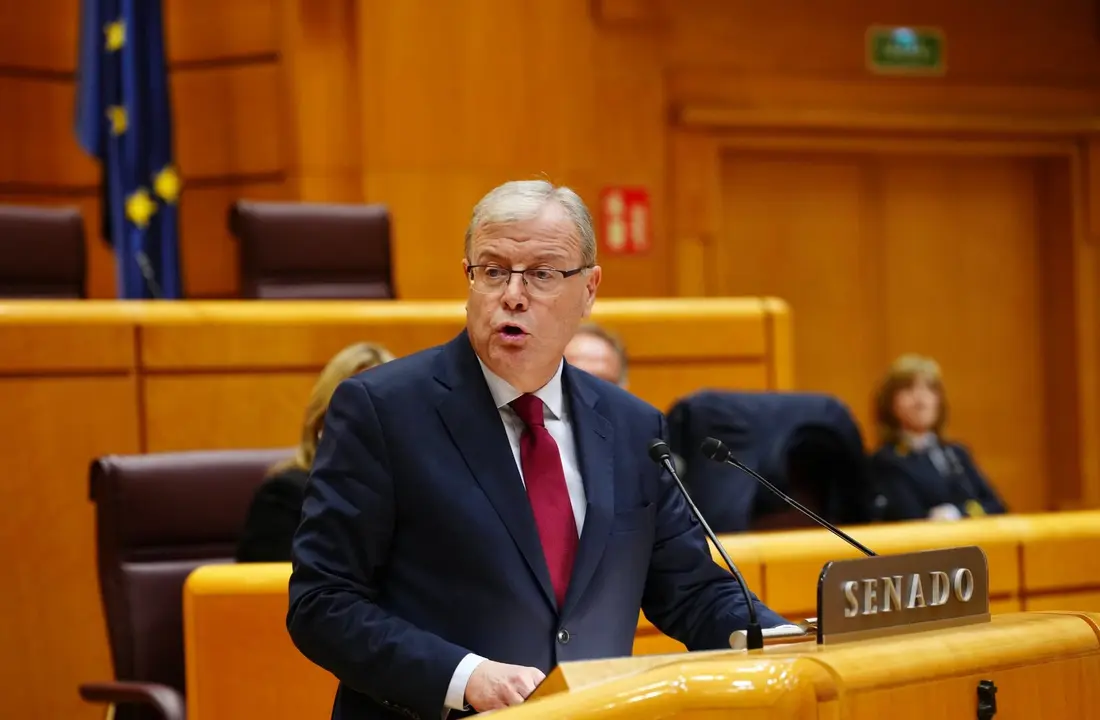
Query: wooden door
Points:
[880, 255]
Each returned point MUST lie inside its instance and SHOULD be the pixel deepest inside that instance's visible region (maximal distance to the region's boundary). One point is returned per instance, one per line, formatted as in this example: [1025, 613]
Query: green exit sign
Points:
[905, 50]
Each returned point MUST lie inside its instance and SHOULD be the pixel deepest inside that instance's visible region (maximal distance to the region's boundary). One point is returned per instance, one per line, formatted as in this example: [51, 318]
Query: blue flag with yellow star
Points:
[124, 119]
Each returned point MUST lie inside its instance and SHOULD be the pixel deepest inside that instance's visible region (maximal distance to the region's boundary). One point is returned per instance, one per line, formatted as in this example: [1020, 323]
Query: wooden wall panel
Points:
[405, 103]
[321, 93]
[40, 36]
[38, 147]
[52, 633]
[882, 255]
[66, 345]
[1055, 39]
[229, 143]
[227, 120]
[1059, 317]
[970, 297]
[210, 255]
[666, 383]
[587, 112]
[792, 95]
[209, 31]
[799, 225]
[266, 410]
[1087, 271]
[228, 97]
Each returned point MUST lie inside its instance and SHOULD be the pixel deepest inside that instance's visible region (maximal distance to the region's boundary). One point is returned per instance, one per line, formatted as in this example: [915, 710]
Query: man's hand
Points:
[494, 685]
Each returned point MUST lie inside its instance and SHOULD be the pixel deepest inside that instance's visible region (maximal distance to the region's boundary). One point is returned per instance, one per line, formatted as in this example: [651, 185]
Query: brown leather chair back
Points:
[313, 250]
[42, 253]
[158, 517]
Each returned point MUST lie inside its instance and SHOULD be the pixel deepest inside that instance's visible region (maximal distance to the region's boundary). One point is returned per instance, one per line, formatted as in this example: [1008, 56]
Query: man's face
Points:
[594, 355]
[519, 335]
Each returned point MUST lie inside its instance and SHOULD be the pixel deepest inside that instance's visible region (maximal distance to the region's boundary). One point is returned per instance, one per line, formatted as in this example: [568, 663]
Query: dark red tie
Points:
[545, 480]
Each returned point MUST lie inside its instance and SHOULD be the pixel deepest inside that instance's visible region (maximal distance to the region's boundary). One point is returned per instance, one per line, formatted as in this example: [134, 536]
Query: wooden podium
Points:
[897, 636]
[1021, 665]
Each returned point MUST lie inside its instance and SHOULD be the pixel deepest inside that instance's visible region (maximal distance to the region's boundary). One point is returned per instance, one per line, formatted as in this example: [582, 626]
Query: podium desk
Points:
[1042, 665]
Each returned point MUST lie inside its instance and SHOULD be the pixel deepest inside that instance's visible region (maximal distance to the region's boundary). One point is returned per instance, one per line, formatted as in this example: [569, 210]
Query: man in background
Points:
[598, 352]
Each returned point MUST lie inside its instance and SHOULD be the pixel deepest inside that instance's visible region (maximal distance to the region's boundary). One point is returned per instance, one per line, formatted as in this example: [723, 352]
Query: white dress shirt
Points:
[561, 429]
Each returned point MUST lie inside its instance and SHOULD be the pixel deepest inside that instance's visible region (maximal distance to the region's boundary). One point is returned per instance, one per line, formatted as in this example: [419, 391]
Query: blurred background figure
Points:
[917, 472]
[599, 352]
[274, 513]
[602, 353]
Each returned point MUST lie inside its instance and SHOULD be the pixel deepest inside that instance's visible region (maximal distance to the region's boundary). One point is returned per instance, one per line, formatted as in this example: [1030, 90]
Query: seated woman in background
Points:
[917, 473]
[277, 507]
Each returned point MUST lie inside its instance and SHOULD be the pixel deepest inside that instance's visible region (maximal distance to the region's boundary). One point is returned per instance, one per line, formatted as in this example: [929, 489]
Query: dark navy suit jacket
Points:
[910, 484]
[418, 545]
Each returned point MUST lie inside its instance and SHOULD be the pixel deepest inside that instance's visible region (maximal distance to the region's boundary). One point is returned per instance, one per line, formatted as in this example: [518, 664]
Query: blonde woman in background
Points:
[917, 472]
[275, 511]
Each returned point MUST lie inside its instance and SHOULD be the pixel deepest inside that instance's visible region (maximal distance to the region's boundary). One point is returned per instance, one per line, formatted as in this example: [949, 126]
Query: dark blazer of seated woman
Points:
[273, 517]
[912, 482]
[276, 509]
[918, 474]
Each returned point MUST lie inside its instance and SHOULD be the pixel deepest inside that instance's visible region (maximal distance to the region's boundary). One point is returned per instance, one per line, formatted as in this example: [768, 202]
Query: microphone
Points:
[149, 274]
[660, 454]
[717, 451]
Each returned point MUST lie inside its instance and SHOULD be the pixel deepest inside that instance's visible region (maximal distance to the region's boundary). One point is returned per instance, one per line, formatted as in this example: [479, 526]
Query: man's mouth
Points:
[512, 331]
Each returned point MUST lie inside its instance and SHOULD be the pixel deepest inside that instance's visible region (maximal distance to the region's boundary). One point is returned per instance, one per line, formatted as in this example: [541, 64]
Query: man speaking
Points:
[481, 511]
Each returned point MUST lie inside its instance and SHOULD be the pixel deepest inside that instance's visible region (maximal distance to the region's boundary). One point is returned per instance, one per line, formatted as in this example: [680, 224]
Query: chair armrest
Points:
[166, 701]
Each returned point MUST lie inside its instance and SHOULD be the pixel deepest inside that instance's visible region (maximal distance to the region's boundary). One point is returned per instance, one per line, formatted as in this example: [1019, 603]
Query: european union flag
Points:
[124, 119]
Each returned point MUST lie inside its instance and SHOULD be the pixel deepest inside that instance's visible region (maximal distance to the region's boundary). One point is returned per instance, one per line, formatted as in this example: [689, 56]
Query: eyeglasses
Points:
[539, 281]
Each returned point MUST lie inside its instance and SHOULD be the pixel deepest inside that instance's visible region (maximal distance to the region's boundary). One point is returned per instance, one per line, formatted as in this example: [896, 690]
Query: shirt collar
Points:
[920, 442]
[503, 393]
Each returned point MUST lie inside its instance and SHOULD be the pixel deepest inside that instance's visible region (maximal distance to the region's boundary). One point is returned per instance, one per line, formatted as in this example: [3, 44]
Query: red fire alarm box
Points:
[624, 220]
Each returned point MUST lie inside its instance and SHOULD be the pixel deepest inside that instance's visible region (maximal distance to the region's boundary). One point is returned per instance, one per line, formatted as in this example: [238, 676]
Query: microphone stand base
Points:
[754, 636]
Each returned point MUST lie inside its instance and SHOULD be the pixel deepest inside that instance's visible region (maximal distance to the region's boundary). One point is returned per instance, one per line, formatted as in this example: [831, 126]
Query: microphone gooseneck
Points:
[717, 451]
[660, 454]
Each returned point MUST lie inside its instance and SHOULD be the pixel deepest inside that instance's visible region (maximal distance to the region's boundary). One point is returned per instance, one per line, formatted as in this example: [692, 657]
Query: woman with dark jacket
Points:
[918, 474]
[277, 506]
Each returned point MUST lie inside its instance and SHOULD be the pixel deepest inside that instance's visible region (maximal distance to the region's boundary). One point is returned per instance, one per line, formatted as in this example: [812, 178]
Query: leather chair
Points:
[158, 517]
[807, 444]
[42, 253]
[313, 250]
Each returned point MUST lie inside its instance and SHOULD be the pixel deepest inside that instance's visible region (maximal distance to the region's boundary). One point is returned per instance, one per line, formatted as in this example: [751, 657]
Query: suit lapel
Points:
[474, 423]
[595, 440]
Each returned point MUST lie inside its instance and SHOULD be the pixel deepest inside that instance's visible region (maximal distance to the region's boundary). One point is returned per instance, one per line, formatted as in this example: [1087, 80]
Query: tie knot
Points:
[530, 410]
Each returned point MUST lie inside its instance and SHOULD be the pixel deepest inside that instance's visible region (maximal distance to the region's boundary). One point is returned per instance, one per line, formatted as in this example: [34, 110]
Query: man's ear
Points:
[591, 283]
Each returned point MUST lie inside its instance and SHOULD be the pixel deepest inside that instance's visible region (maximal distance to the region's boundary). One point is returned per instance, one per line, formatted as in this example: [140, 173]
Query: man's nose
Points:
[515, 292]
